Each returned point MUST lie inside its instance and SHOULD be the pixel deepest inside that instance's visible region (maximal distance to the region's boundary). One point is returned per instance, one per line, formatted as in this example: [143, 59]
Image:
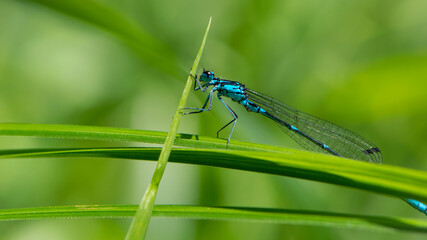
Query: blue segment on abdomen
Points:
[418, 205]
[296, 130]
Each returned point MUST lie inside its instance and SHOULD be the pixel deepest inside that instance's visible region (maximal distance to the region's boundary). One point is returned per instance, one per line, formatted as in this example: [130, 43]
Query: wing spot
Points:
[372, 150]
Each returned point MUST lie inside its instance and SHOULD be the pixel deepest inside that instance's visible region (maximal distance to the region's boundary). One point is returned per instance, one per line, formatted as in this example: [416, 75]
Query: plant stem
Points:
[139, 226]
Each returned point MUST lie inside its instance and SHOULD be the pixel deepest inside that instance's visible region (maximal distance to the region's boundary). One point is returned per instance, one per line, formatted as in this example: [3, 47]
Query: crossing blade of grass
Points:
[146, 46]
[277, 216]
[139, 226]
[124, 135]
[390, 180]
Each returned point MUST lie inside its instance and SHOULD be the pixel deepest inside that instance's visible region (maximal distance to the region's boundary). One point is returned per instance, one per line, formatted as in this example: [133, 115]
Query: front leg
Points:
[197, 85]
[203, 108]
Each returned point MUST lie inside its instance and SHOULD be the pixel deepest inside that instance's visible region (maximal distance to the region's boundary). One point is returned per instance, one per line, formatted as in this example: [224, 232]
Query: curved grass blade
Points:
[124, 135]
[385, 179]
[277, 216]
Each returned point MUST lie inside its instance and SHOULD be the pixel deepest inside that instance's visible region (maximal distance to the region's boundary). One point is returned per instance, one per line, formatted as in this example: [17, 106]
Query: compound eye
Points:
[208, 74]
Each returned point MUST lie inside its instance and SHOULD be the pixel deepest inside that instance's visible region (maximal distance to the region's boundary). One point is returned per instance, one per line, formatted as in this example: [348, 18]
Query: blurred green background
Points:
[359, 64]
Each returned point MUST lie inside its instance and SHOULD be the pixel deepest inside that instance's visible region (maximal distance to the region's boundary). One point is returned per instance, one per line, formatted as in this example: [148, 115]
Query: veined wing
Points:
[342, 141]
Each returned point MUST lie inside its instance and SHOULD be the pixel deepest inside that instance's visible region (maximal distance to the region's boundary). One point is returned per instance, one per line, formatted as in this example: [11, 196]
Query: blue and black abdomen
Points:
[314, 133]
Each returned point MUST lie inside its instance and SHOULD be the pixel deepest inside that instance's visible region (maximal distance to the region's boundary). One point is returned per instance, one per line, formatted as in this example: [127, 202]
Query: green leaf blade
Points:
[269, 215]
[139, 226]
[385, 179]
[123, 135]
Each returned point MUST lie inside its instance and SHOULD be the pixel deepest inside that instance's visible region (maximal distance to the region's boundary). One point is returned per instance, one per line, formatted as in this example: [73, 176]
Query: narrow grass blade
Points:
[139, 226]
[277, 216]
[123, 134]
[385, 179]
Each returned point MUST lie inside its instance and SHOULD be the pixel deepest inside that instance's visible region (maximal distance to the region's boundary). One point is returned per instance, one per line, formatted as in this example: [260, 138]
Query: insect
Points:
[312, 133]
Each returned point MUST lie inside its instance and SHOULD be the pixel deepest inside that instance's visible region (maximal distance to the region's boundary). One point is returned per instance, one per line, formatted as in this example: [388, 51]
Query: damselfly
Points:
[310, 132]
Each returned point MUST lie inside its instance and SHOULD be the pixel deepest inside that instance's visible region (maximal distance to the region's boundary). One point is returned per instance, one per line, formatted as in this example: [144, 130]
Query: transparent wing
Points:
[343, 141]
